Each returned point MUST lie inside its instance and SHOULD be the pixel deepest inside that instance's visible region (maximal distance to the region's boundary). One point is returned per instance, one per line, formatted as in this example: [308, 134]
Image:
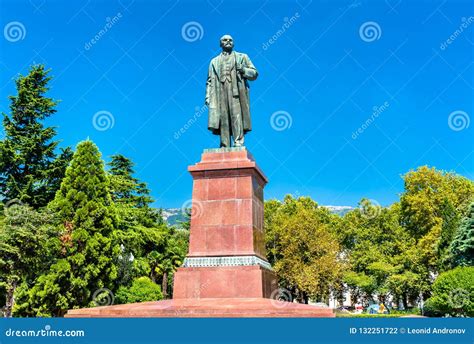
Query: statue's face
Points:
[227, 43]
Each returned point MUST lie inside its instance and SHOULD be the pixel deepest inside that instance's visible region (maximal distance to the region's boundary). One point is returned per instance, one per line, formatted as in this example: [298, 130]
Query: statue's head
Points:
[227, 43]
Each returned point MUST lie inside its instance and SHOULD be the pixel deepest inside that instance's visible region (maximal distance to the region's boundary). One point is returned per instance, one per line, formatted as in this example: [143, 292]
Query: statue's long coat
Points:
[240, 89]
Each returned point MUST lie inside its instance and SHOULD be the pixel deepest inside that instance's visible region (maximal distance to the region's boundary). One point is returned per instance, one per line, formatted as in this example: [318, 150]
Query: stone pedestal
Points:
[226, 273]
[226, 247]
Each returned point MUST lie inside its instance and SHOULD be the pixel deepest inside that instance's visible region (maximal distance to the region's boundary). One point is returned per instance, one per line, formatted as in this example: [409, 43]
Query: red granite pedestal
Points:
[226, 246]
[226, 273]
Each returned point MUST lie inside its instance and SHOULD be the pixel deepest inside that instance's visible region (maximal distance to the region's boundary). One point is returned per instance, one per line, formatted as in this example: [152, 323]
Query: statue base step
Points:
[206, 308]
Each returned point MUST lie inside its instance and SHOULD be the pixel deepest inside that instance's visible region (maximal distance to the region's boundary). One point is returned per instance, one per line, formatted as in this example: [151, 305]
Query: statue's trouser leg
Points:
[236, 122]
[225, 134]
[224, 123]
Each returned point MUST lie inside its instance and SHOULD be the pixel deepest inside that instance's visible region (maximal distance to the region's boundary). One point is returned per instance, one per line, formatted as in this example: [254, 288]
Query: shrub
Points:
[142, 289]
[453, 293]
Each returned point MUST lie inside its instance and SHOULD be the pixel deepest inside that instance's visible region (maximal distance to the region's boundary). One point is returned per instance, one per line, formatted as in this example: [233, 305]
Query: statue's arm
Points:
[249, 70]
[208, 85]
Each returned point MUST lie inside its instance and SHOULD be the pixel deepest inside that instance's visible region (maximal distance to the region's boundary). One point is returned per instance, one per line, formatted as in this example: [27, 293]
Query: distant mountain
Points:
[173, 216]
[340, 210]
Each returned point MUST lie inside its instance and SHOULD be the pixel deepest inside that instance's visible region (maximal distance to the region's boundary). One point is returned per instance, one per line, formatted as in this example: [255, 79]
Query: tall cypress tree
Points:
[29, 168]
[89, 246]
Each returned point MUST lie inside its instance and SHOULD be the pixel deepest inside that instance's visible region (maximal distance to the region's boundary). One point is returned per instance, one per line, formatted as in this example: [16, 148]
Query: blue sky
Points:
[335, 64]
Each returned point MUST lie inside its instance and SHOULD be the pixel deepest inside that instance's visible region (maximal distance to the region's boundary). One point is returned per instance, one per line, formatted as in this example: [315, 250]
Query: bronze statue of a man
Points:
[227, 94]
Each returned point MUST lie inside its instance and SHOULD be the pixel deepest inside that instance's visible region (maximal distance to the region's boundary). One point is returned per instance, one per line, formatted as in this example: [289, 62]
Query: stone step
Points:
[206, 308]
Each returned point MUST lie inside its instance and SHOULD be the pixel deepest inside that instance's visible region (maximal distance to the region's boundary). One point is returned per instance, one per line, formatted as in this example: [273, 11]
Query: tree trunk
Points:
[302, 297]
[405, 301]
[396, 301]
[164, 285]
[305, 298]
[10, 300]
[153, 275]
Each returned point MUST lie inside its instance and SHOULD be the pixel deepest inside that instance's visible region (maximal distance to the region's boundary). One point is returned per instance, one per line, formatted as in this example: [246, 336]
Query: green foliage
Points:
[142, 289]
[30, 171]
[125, 188]
[391, 251]
[453, 293]
[89, 248]
[139, 225]
[430, 209]
[24, 239]
[55, 173]
[302, 246]
[360, 283]
[462, 246]
[99, 230]
[143, 234]
[426, 192]
[378, 251]
[159, 252]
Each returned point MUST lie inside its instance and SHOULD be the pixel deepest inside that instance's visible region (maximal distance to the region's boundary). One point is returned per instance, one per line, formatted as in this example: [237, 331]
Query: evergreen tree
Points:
[56, 173]
[135, 219]
[462, 246]
[89, 248]
[125, 187]
[156, 249]
[28, 170]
